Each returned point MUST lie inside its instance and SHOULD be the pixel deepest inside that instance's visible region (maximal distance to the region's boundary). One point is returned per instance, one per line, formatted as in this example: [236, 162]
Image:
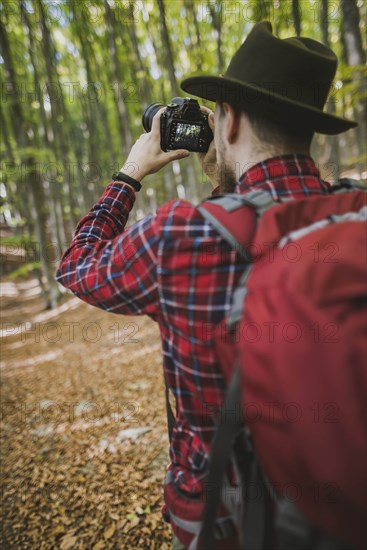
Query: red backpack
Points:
[294, 354]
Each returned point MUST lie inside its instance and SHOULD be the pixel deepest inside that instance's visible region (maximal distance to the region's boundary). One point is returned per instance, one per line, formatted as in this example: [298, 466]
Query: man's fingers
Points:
[211, 121]
[206, 109]
[210, 116]
[155, 123]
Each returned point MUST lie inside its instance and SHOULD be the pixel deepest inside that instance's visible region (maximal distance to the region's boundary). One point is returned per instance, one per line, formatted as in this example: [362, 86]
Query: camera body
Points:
[183, 125]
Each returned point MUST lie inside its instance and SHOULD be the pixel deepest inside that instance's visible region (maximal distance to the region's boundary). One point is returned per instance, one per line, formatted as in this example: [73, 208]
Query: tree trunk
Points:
[86, 175]
[261, 11]
[36, 77]
[330, 106]
[352, 33]
[17, 197]
[123, 113]
[296, 17]
[160, 63]
[143, 81]
[168, 178]
[216, 16]
[90, 112]
[355, 57]
[190, 9]
[40, 217]
[9, 152]
[168, 49]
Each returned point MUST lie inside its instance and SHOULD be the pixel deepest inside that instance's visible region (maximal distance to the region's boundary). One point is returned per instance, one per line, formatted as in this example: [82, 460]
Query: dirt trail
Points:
[73, 381]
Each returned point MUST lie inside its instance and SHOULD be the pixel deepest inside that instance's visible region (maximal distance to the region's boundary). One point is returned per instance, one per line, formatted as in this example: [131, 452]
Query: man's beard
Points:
[227, 171]
[228, 178]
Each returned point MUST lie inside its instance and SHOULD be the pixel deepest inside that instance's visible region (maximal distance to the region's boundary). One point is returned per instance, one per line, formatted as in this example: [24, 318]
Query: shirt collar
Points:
[284, 175]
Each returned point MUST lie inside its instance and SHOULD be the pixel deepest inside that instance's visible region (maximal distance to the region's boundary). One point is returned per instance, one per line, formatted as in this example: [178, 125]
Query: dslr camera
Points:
[183, 125]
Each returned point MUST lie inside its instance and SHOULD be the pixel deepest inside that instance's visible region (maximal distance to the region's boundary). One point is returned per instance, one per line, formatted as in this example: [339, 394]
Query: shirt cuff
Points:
[118, 185]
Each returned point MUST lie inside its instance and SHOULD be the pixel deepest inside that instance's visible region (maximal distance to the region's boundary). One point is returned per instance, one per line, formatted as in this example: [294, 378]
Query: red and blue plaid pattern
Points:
[174, 267]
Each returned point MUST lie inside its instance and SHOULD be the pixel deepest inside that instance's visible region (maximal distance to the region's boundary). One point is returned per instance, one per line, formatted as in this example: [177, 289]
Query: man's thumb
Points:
[179, 154]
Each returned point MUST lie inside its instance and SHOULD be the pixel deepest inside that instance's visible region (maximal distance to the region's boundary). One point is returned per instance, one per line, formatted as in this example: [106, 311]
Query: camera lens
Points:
[148, 115]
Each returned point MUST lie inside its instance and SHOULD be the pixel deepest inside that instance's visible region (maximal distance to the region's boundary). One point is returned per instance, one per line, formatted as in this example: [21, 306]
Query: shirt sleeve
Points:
[111, 267]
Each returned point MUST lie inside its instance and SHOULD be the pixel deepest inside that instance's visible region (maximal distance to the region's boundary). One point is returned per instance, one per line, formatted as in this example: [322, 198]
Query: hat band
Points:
[237, 92]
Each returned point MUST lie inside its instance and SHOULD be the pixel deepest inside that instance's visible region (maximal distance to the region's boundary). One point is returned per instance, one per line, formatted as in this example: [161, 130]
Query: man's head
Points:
[277, 89]
[242, 139]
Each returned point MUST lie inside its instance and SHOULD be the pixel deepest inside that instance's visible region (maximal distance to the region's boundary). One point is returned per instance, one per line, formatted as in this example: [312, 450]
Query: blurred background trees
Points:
[76, 76]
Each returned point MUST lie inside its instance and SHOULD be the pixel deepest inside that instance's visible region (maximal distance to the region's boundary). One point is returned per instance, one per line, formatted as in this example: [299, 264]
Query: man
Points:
[174, 267]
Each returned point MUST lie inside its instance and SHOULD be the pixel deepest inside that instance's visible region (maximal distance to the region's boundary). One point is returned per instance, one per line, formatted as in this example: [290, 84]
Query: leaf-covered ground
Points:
[83, 427]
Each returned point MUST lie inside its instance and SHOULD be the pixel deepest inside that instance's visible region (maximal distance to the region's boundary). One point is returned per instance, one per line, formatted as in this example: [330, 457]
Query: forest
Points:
[83, 426]
[76, 76]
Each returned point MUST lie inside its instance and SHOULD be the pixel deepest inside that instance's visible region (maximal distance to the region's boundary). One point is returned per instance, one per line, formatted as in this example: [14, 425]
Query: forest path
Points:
[73, 380]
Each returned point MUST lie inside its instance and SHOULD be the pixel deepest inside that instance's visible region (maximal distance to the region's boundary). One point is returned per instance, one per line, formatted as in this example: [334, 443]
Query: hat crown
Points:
[297, 68]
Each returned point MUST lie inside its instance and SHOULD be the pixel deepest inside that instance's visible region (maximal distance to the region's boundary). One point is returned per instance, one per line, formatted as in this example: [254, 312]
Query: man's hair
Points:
[273, 135]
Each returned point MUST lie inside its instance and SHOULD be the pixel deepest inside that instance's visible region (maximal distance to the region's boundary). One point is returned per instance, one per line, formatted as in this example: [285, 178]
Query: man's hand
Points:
[146, 156]
[208, 160]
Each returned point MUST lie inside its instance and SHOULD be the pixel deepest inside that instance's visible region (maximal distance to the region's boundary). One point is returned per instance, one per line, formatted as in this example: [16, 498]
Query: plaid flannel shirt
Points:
[174, 267]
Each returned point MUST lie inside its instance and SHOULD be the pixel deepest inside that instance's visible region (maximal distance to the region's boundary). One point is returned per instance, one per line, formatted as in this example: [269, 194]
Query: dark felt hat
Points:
[286, 81]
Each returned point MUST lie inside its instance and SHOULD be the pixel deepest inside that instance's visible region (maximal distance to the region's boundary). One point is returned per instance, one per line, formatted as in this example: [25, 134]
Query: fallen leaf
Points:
[132, 433]
[68, 542]
[109, 531]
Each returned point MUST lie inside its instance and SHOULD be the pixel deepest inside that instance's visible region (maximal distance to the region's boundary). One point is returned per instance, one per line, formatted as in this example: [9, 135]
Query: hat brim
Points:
[266, 102]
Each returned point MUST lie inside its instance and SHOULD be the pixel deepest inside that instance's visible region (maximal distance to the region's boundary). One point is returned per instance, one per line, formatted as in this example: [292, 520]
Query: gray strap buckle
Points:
[259, 199]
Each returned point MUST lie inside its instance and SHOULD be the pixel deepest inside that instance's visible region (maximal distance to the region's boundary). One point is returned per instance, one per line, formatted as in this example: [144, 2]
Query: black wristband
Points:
[124, 178]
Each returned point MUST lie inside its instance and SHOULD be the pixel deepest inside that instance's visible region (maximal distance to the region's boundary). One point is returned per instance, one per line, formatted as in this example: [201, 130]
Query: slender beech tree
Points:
[118, 76]
[216, 17]
[356, 58]
[167, 48]
[191, 11]
[142, 81]
[296, 16]
[333, 140]
[30, 175]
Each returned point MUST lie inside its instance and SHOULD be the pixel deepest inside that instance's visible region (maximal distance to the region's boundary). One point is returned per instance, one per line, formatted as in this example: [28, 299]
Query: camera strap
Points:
[170, 415]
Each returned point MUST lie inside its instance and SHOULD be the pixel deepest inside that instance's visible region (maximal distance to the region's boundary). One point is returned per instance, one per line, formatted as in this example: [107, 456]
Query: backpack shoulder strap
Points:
[226, 214]
[219, 457]
[255, 518]
[347, 184]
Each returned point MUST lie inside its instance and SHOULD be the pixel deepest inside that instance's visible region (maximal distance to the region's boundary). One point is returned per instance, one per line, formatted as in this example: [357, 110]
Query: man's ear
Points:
[232, 122]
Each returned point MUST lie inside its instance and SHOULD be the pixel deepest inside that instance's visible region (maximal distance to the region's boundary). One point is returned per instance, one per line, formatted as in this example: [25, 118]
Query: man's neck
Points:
[249, 156]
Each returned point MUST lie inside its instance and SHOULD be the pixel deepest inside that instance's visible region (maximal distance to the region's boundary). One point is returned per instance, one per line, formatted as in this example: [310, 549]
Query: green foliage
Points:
[107, 60]
[26, 242]
[25, 270]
